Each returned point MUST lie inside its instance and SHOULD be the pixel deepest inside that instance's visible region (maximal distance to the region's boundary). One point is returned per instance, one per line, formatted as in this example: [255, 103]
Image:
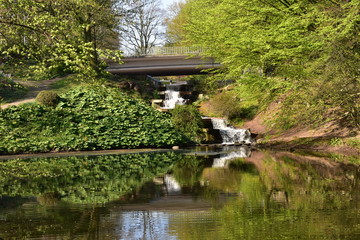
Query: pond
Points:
[224, 193]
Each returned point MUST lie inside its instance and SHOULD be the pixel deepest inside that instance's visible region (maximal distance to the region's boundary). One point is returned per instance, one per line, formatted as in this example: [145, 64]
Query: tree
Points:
[307, 49]
[60, 35]
[175, 23]
[141, 28]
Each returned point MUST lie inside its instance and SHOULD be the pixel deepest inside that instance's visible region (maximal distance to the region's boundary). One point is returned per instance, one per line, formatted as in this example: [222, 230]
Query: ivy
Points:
[86, 119]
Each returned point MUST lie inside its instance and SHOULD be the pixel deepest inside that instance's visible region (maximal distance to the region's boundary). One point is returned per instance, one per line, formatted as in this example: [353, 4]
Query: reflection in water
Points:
[144, 225]
[172, 186]
[224, 159]
[267, 195]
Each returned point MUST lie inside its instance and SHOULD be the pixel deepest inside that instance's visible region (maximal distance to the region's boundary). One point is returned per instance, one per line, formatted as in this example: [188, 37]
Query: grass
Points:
[353, 142]
[65, 83]
[346, 142]
[11, 90]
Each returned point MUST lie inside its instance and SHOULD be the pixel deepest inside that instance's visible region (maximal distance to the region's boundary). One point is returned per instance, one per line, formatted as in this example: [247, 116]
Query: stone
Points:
[124, 85]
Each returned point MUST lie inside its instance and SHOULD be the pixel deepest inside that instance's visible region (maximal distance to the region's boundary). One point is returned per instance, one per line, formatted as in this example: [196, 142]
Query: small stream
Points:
[200, 193]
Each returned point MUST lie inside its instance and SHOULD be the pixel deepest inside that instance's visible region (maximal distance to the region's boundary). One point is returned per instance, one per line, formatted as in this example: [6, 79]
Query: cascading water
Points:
[229, 134]
[173, 97]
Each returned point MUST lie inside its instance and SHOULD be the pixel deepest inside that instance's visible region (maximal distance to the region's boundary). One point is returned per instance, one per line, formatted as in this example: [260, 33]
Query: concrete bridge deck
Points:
[163, 65]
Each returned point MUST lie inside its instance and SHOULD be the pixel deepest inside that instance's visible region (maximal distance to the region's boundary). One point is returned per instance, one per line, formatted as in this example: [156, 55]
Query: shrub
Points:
[188, 121]
[48, 98]
[228, 104]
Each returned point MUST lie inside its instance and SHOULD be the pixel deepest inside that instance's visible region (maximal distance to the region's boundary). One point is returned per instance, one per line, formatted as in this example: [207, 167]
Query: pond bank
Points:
[321, 145]
[293, 146]
[331, 137]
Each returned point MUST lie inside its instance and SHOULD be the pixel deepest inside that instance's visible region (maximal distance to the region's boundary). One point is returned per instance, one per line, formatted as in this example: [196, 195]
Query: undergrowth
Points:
[88, 118]
[187, 120]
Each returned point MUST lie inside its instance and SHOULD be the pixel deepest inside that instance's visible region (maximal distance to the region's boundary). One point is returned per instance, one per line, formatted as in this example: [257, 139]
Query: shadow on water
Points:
[223, 193]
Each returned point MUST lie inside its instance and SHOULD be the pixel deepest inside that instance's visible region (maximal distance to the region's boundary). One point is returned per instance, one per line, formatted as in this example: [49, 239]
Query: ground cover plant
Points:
[87, 118]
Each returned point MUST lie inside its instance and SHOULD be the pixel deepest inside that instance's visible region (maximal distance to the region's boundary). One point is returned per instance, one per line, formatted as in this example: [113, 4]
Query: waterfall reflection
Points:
[225, 158]
[172, 186]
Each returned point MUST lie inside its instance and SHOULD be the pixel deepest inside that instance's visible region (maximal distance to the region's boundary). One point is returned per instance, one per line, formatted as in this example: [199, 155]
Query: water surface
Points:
[228, 193]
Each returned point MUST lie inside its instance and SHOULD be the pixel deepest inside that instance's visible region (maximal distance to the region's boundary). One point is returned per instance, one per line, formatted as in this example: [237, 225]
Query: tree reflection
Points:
[81, 179]
[269, 195]
[280, 196]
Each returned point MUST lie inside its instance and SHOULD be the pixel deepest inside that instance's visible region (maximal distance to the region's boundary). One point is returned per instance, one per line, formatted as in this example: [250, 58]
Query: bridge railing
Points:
[166, 51]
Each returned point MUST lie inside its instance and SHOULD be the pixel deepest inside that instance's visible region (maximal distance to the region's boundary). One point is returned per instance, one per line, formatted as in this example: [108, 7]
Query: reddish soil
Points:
[313, 139]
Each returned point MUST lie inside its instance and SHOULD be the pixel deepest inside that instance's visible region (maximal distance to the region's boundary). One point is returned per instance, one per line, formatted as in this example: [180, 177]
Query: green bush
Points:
[87, 118]
[230, 105]
[48, 98]
[187, 119]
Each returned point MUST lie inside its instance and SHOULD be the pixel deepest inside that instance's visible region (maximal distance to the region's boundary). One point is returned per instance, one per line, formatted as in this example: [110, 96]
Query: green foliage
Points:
[86, 118]
[97, 179]
[230, 104]
[60, 36]
[48, 98]
[306, 52]
[187, 120]
[24, 70]
[205, 84]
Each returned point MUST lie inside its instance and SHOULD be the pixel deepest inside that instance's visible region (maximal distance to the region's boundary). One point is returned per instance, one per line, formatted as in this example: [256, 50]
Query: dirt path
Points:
[34, 88]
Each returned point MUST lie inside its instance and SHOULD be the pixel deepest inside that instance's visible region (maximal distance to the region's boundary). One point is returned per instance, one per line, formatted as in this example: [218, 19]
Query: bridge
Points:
[165, 61]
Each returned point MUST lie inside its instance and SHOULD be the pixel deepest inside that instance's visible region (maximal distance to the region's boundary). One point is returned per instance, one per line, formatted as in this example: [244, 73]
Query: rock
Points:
[132, 85]
[137, 88]
[124, 85]
[175, 148]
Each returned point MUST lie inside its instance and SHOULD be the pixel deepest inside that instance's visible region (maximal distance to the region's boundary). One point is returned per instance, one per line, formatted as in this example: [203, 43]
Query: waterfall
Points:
[229, 134]
[173, 97]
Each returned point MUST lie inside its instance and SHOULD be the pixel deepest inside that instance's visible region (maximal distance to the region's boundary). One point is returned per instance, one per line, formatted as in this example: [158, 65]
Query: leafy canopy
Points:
[59, 35]
[308, 50]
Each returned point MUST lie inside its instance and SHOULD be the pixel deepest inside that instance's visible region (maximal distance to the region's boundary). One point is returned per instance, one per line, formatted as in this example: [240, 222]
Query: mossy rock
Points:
[48, 98]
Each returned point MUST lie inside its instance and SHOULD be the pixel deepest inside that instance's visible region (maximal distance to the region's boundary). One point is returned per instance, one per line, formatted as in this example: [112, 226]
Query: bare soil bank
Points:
[331, 137]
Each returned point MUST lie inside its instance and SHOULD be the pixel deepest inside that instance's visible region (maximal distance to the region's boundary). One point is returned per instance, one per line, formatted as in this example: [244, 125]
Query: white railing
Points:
[163, 51]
